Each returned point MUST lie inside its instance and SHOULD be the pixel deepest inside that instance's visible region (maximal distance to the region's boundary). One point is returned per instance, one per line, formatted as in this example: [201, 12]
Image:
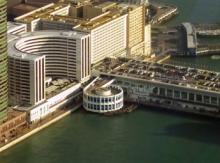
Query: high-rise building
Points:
[3, 61]
[116, 29]
[38, 56]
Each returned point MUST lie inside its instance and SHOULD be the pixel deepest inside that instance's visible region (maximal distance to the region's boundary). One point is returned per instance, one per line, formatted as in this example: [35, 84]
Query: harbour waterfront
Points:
[141, 136]
[196, 11]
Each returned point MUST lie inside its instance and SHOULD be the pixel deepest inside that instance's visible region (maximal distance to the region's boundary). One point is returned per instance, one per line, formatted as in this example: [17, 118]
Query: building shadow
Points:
[205, 132]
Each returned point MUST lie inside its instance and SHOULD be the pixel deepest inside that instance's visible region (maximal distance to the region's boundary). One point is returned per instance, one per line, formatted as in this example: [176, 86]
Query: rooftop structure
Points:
[83, 17]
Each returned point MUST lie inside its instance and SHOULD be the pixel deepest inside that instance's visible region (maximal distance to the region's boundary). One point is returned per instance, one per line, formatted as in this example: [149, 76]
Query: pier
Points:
[189, 35]
[160, 13]
[169, 86]
[208, 49]
[208, 29]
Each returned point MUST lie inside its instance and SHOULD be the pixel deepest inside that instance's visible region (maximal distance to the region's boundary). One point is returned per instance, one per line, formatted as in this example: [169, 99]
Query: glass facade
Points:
[3, 61]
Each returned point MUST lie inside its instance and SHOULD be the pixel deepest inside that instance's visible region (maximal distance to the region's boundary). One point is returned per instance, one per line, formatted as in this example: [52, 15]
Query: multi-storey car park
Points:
[38, 58]
[3, 61]
[164, 85]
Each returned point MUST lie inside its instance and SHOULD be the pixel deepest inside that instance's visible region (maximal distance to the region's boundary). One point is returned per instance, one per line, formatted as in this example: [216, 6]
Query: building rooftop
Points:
[162, 73]
[58, 85]
[83, 17]
[16, 41]
[102, 87]
[102, 91]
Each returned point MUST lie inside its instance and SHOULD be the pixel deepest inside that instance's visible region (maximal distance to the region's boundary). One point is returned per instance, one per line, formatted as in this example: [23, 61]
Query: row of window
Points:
[104, 100]
[103, 107]
[186, 96]
[179, 94]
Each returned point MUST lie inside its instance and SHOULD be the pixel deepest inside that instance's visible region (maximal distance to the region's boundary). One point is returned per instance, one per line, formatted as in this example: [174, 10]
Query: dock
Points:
[165, 85]
[162, 13]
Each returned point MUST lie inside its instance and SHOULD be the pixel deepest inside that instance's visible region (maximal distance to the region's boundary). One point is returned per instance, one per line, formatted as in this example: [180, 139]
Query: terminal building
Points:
[101, 96]
[37, 58]
[164, 85]
[116, 29]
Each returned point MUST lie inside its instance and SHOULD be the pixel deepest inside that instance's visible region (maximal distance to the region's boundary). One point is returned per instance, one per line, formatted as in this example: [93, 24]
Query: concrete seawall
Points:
[16, 141]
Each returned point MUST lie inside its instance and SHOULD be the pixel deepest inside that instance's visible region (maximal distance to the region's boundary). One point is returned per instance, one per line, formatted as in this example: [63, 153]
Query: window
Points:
[184, 95]
[155, 90]
[169, 93]
[199, 98]
[176, 94]
[206, 99]
[191, 97]
[162, 91]
[214, 100]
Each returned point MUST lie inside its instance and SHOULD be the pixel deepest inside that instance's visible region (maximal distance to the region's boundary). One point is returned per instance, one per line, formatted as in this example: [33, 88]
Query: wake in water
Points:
[215, 57]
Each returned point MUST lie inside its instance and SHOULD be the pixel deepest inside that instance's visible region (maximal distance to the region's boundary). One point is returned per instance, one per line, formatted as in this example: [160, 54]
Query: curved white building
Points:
[103, 99]
[37, 55]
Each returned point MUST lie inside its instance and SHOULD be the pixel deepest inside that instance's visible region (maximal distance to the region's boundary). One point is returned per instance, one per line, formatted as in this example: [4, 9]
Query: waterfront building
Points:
[37, 58]
[3, 61]
[116, 29]
[101, 97]
[58, 99]
[9, 128]
[167, 86]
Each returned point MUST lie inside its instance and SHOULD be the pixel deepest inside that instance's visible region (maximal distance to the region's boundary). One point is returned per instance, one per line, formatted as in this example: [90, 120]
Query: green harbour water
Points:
[146, 135]
[140, 137]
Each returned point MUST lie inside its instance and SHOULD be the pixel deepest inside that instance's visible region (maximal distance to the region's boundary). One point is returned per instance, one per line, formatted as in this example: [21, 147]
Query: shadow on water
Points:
[180, 114]
[201, 132]
[196, 127]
